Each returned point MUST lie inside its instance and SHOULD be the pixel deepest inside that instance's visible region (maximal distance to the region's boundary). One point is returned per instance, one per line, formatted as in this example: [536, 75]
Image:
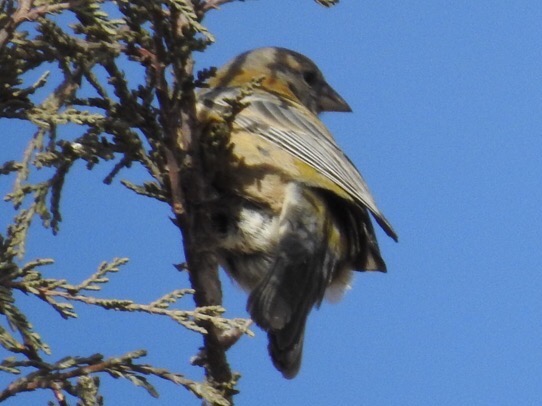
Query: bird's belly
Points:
[247, 250]
[255, 230]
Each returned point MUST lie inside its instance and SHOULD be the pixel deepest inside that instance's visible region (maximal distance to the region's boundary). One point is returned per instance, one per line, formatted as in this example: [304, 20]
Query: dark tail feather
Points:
[297, 279]
[282, 302]
[286, 349]
[271, 305]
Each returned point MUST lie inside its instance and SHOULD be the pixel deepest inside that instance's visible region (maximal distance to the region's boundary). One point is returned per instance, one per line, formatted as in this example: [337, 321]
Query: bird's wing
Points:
[296, 130]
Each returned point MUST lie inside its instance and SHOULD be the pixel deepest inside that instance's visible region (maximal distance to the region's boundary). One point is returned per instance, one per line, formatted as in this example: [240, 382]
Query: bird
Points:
[290, 213]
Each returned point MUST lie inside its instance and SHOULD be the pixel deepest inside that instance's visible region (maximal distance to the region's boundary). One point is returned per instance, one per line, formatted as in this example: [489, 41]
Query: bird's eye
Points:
[310, 77]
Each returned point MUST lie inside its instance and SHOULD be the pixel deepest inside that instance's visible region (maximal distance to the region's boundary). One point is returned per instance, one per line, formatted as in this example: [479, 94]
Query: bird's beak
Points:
[330, 100]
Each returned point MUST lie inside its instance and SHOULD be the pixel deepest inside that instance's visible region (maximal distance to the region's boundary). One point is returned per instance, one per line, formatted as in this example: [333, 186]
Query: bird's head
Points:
[285, 73]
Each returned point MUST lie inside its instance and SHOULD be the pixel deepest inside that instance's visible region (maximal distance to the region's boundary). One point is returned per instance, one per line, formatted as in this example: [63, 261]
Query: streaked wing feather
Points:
[295, 130]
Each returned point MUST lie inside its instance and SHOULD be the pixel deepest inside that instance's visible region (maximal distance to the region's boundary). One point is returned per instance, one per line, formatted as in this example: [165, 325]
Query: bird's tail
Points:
[281, 304]
[286, 348]
[304, 261]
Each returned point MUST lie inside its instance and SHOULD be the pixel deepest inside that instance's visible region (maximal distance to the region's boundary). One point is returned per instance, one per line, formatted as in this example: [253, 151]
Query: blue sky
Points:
[447, 130]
